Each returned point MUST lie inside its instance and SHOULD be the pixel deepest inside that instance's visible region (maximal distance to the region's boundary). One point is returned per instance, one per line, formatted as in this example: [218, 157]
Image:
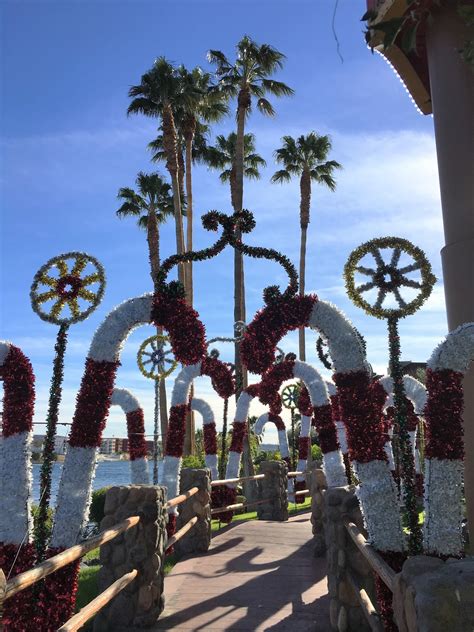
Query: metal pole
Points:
[156, 418]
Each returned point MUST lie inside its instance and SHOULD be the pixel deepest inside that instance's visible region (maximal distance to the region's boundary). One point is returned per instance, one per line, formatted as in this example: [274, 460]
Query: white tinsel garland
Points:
[334, 469]
[456, 351]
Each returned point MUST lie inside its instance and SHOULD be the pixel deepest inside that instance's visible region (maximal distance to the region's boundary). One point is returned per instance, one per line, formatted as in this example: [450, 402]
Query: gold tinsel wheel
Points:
[152, 358]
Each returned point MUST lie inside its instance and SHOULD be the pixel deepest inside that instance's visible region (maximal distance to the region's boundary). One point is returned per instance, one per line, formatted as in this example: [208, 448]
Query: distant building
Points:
[60, 445]
[108, 445]
[411, 368]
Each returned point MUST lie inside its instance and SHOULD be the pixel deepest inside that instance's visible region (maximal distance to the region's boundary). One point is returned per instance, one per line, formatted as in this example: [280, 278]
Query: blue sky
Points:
[67, 147]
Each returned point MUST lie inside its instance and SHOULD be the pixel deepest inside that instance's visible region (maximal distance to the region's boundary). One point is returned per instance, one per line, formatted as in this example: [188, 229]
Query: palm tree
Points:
[246, 79]
[305, 157]
[222, 156]
[151, 205]
[158, 95]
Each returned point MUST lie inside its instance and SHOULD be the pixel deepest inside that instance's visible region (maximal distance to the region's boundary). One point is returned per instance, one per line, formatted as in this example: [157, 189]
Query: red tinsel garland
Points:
[176, 430]
[223, 496]
[136, 434]
[253, 390]
[220, 374]
[170, 529]
[56, 597]
[186, 332]
[361, 410]
[269, 326]
[18, 610]
[273, 379]
[18, 392]
[210, 438]
[335, 409]
[443, 414]
[239, 430]
[93, 404]
[303, 447]
[384, 595]
[326, 429]
[304, 402]
[277, 420]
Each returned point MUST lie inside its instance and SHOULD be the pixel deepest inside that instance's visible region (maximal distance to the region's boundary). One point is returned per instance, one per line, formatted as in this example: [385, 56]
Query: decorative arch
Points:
[358, 400]
[17, 551]
[187, 336]
[444, 448]
[210, 434]
[136, 434]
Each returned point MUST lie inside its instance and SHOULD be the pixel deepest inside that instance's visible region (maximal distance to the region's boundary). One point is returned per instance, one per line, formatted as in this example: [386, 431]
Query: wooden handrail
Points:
[92, 608]
[301, 492]
[370, 613]
[229, 481]
[181, 498]
[28, 578]
[179, 534]
[292, 474]
[378, 564]
[219, 510]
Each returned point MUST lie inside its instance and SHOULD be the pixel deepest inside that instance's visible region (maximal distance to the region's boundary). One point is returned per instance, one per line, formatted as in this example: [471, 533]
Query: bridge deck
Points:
[256, 576]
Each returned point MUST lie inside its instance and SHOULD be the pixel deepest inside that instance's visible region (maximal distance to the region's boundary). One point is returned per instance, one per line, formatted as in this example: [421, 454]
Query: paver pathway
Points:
[256, 576]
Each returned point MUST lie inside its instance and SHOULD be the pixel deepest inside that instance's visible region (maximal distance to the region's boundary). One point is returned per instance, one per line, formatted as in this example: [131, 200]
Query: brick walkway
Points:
[256, 576]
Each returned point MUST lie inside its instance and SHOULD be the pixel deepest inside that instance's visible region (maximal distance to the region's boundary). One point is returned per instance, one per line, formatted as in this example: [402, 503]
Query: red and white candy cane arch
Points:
[187, 337]
[358, 402]
[210, 434]
[136, 434]
[282, 436]
[17, 552]
[444, 449]
[333, 464]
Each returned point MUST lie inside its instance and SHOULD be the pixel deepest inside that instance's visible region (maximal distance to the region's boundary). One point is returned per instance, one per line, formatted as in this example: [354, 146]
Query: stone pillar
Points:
[198, 539]
[342, 554]
[434, 596]
[142, 547]
[273, 487]
[317, 488]
[452, 95]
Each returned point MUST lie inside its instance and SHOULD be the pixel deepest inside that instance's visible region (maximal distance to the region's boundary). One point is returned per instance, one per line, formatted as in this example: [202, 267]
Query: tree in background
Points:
[152, 204]
[305, 157]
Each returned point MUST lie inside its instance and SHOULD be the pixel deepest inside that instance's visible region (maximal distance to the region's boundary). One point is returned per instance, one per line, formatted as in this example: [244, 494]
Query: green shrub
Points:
[193, 461]
[316, 454]
[97, 505]
[49, 519]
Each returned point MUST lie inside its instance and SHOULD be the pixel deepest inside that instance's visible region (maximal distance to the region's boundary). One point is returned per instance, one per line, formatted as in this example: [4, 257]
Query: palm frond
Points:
[281, 176]
[265, 107]
[277, 88]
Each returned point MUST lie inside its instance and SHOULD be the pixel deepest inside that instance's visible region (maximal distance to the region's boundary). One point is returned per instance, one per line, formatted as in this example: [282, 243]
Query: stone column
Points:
[452, 95]
[274, 488]
[434, 596]
[317, 488]
[142, 548]
[198, 539]
[342, 555]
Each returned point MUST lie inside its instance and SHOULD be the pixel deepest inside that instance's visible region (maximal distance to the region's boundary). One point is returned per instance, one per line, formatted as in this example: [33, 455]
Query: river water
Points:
[107, 473]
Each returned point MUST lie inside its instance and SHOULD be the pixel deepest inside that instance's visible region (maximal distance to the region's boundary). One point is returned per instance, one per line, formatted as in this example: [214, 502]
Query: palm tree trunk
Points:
[239, 286]
[171, 150]
[153, 244]
[163, 405]
[305, 201]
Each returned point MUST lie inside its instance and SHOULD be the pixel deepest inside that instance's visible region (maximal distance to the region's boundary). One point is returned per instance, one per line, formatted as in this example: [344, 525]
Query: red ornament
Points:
[239, 430]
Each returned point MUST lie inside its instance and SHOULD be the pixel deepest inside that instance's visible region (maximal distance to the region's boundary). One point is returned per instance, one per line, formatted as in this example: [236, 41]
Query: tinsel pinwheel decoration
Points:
[65, 291]
[156, 362]
[404, 280]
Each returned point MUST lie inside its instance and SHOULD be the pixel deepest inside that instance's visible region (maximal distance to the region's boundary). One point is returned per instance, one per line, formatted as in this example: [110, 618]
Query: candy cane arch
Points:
[282, 436]
[210, 434]
[136, 434]
[444, 449]
[187, 336]
[332, 457]
[223, 384]
[359, 405]
[16, 524]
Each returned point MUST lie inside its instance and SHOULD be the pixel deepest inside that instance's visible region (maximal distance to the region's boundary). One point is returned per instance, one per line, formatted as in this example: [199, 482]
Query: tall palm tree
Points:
[305, 157]
[222, 156]
[151, 205]
[246, 79]
[158, 95]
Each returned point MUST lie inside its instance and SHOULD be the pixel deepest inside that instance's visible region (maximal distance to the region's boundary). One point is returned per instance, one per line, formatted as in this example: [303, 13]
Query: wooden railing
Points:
[378, 565]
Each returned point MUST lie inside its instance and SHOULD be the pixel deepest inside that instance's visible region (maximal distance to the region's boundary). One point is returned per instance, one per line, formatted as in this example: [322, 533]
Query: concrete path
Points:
[256, 576]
